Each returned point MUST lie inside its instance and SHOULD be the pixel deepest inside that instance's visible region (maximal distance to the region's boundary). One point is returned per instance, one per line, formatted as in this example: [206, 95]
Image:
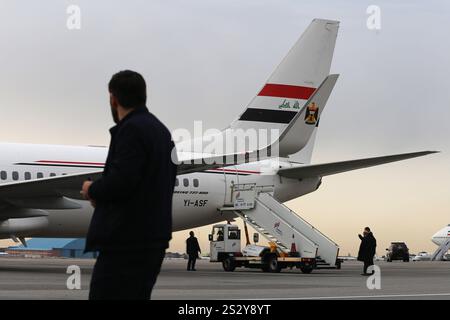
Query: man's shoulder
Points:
[141, 119]
[147, 123]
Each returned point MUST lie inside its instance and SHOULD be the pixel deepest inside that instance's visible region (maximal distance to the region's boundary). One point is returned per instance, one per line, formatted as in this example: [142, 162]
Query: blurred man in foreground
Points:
[132, 221]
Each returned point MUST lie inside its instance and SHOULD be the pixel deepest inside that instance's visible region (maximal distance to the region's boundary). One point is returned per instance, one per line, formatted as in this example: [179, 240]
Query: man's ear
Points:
[113, 101]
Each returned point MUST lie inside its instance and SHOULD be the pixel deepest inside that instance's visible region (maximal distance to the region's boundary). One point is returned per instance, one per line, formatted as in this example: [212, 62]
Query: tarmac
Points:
[46, 278]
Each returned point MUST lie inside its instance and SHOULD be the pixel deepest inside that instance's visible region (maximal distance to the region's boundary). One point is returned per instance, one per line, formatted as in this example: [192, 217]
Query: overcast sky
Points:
[204, 60]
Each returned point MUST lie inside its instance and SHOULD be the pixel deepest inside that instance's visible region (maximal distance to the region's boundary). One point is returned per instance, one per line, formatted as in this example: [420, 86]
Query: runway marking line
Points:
[367, 296]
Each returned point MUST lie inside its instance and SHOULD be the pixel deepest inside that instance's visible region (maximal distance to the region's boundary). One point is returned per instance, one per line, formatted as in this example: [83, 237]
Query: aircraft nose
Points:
[435, 237]
[434, 240]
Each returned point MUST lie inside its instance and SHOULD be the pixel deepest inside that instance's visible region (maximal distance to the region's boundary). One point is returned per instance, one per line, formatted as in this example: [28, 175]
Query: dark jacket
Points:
[134, 195]
[367, 247]
[192, 246]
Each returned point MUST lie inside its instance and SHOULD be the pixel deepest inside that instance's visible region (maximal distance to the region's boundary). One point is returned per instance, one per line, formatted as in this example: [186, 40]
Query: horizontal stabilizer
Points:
[320, 170]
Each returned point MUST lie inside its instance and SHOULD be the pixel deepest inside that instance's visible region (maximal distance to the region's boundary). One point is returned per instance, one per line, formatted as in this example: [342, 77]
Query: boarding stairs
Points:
[277, 223]
[441, 251]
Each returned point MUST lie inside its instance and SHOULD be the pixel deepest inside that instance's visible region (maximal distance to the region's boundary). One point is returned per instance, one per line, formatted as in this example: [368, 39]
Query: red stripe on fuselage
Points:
[286, 91]
[235, 171]
[101, 164]
[71, 162]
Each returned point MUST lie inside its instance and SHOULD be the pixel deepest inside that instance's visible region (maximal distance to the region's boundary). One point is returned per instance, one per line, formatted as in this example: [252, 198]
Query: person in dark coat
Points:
[192, 250]
[367, 249]
[132, 221]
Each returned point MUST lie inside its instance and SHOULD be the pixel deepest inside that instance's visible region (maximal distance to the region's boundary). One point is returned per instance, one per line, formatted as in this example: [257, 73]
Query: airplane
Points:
[422, 256]
[442, 240]
[40, 183]
[440, 237]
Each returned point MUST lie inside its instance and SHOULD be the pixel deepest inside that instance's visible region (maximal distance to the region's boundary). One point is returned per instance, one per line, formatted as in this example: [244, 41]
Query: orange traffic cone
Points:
[293, 246]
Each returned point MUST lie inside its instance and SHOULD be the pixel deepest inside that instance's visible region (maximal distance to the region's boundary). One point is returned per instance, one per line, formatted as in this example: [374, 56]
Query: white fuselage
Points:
[196, 199]
[441, 236]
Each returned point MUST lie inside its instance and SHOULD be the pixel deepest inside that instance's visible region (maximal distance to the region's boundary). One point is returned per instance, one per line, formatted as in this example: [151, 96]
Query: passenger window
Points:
[177, 183]
[40, 175]
[196, 183]
[15, 175]
[186, 182]
[3, 175]
[27, 176]
[52, 174]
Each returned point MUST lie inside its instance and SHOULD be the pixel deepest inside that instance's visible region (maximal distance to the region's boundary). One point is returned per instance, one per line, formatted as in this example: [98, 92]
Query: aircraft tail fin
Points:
[294, 80]
[287, 108]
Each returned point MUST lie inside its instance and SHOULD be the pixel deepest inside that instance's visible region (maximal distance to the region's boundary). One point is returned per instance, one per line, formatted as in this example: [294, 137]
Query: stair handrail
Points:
[306, 222]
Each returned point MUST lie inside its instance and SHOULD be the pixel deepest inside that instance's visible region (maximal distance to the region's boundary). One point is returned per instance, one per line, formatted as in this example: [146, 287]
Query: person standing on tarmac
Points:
[367, 249]
[192, 249]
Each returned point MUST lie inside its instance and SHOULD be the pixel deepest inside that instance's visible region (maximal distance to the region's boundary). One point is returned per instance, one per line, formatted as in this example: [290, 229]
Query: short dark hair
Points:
[129, 88]
[367, 229]
[191, 233]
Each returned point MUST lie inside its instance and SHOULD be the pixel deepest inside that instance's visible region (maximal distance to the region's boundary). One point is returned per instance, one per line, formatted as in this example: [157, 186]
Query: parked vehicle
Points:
[422, 256]
[225, 247]
[397, 251]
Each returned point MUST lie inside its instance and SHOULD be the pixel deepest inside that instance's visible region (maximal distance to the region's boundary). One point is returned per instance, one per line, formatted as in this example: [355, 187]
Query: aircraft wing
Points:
[320, 170]
[23, 199]
[56, 192]
[45, 193]
[29, 198]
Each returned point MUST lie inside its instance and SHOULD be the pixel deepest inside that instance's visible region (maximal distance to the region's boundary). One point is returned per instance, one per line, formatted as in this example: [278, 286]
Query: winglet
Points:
[299, 131]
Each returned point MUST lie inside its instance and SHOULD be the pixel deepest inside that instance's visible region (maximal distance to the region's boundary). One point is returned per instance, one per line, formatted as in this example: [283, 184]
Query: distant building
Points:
[52, 247]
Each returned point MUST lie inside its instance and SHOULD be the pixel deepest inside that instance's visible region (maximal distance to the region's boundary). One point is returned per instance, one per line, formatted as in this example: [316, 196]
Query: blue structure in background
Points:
[67, 247]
